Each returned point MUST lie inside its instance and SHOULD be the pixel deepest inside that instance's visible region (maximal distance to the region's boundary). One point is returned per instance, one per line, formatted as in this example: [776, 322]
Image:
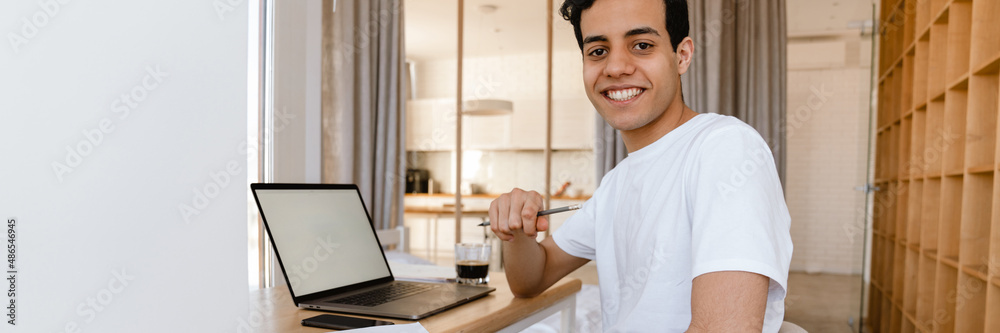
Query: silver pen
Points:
[545, 212]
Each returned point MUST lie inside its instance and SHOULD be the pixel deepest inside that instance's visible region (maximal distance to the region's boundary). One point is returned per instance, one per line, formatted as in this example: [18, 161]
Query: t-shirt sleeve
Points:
[739, 218]
[577, 235]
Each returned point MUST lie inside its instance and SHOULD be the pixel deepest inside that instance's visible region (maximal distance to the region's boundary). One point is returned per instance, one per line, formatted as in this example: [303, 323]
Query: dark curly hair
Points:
[676, 14]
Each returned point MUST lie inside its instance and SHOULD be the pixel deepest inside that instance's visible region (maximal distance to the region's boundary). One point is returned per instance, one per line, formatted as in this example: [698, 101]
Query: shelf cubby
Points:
[875, 308]
[923, 14]
[920, 61]
[970, 302]
[886, 272]
[936, 7]
[910, 283]
[980, 128]
[910, 14]
[993, 303]
[893, 161]
[959, 28]
[898, 273]
[897, 219]
[891, 207]
[884, 315]
[937, 59]
[949, 230]
[953, 132]
[881, 153]
[879, 212]
[903, 149]
[906, 95]
[930, 214]
[890, 275]
[876, 271]
[897, 87]
[975, 230]
[908, 325]
[918, 163]
[883, 103]
[985, 36]
[925, 287]
[913, 220]
[993, 261]
[934, 140]
[944, 299]
[896, 321]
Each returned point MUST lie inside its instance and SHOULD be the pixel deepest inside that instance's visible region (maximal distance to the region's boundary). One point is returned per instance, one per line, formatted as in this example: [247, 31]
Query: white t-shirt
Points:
[703, 198]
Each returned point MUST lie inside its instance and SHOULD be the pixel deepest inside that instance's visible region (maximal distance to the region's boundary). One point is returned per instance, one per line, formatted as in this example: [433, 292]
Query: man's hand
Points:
[517, 212]
[531, 266]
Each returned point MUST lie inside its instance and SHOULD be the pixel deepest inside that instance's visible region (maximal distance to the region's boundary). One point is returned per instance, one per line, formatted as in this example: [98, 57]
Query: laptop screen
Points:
[323, 237]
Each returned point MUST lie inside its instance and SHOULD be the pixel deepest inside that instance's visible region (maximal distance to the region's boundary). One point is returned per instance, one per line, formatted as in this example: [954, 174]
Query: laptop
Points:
[331, 259]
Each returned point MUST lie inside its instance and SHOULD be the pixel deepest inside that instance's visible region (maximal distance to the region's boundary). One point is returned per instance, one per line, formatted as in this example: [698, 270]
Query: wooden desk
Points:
[499, 311]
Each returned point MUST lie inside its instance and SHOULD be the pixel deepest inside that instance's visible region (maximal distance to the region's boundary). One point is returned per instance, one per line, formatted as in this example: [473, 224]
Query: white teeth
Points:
[624, 94]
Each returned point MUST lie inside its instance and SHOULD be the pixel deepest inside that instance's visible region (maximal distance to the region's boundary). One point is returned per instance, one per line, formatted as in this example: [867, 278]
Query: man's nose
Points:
[619, 63]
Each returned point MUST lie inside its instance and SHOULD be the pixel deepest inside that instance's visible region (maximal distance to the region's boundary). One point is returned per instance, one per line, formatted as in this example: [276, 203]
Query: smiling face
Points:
[631, 72]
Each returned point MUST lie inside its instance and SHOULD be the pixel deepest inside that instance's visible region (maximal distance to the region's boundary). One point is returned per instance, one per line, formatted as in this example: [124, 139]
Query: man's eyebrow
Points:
[598, 38]
[641, 31]
[630, 33]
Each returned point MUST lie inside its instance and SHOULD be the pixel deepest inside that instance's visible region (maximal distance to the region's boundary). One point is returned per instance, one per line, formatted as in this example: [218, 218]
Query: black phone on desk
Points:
[341, 322]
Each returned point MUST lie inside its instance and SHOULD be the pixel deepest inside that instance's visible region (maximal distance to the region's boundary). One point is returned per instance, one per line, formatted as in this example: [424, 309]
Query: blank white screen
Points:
[323, 238]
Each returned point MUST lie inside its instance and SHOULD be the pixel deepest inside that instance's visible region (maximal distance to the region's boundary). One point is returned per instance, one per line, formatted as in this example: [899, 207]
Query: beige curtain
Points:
[738, 70]
[739, 66]
[362, 109]
[609, 148]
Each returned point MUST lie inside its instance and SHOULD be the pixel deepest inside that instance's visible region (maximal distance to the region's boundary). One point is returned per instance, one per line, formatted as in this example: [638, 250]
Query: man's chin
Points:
[622, 125]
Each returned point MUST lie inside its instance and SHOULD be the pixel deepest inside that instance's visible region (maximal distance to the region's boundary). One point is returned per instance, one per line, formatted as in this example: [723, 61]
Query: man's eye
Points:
[598, 52]
[643, 46]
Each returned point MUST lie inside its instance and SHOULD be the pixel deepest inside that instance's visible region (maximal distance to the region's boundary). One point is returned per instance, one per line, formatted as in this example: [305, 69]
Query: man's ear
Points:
[685, 53]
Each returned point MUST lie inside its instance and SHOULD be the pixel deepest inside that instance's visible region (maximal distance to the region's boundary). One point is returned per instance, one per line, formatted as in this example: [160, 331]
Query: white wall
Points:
[124, 129]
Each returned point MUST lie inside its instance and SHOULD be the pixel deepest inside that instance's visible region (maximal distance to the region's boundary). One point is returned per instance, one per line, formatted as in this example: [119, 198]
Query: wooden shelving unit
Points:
[936, 247]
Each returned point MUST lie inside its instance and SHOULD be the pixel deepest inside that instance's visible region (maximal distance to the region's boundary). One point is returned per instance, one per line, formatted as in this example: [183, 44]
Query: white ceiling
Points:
[516, 27]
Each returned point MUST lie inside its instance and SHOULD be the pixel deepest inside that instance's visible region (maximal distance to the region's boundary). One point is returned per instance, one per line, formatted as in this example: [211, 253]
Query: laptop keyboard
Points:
[384, 295]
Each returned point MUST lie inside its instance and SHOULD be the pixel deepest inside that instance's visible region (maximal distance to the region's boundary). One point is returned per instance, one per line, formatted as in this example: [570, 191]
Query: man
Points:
[690, 231]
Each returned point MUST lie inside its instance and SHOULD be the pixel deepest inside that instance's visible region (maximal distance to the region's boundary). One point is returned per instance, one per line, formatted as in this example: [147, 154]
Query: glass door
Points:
[829, 185]
[868, 186]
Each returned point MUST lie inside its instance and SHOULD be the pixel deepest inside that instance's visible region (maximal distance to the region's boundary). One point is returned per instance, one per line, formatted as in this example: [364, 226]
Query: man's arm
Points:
[531, 267]
[729, 301]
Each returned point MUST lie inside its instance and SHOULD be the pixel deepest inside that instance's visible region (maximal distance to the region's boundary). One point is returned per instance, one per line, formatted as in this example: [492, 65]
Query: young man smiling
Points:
[690, 232]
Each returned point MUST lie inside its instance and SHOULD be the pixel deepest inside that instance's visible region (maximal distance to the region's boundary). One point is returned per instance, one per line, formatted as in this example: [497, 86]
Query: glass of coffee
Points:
[472, 263]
